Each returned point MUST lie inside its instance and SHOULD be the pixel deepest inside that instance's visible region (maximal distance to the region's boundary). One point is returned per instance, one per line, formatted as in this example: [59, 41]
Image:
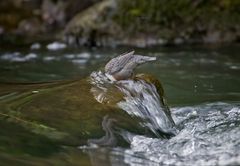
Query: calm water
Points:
[202, 90]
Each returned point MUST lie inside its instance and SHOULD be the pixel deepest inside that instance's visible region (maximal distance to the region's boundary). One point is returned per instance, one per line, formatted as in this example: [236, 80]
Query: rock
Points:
[93, 26]
[178, 41]
[212, 37]
[132, 23]
[30, 27]
[1, 30]
[151, 79]
[53, 14]
[75, 6]
[67, 111]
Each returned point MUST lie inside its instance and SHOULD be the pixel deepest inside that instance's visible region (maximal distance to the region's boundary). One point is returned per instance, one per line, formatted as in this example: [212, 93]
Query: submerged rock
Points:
[68, 113]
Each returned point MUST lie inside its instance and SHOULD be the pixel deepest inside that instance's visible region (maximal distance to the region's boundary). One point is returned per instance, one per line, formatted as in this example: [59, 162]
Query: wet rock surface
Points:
[66, 111]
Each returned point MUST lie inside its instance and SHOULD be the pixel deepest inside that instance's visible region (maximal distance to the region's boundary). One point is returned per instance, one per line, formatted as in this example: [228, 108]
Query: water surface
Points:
[201, 86]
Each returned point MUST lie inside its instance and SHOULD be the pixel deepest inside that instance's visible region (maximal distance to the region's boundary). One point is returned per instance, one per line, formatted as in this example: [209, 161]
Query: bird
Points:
[122, 67]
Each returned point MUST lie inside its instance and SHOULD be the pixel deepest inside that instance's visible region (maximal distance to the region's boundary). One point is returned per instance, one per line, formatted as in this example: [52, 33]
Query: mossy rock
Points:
[153, 80]
[141, 22]
[95, 25]
[67, 112]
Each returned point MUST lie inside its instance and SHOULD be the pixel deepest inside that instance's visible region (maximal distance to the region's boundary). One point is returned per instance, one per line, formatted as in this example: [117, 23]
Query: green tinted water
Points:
[200, 73]
[42, 124]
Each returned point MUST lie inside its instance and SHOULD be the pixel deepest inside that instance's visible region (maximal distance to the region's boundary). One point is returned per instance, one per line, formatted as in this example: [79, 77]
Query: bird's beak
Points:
[152, 58]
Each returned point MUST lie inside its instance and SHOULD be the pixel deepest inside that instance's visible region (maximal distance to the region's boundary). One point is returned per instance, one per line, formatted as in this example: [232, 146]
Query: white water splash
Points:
[209, 137]
[140, 99]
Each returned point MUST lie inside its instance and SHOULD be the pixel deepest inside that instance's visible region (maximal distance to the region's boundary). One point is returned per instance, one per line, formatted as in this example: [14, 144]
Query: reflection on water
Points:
[109, 138]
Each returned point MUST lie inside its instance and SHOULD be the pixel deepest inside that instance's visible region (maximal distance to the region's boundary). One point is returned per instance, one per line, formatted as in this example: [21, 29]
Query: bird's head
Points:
[143, 59]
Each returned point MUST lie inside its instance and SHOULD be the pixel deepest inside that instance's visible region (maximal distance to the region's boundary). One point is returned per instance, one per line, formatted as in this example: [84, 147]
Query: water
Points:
[202, 90]
[140, 99]
[209, 136]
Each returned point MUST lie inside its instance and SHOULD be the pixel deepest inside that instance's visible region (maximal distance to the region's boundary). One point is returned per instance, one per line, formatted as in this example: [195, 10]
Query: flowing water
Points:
[140, 99]
[201, 87]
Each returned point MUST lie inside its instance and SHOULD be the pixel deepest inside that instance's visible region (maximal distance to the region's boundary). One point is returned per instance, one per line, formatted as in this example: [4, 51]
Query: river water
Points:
[201, 87]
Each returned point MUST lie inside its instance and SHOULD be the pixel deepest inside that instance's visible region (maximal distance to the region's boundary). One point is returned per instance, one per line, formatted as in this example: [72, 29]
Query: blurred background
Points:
[196, 42]
[120, 22]
[46, 118]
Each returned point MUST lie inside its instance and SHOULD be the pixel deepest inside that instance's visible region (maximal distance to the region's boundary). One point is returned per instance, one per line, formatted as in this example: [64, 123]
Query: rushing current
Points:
[209, 135]
[140, 99]
[206, 134]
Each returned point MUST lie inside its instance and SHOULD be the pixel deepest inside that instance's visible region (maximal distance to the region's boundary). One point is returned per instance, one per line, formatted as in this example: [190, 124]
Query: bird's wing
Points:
[116, 64]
